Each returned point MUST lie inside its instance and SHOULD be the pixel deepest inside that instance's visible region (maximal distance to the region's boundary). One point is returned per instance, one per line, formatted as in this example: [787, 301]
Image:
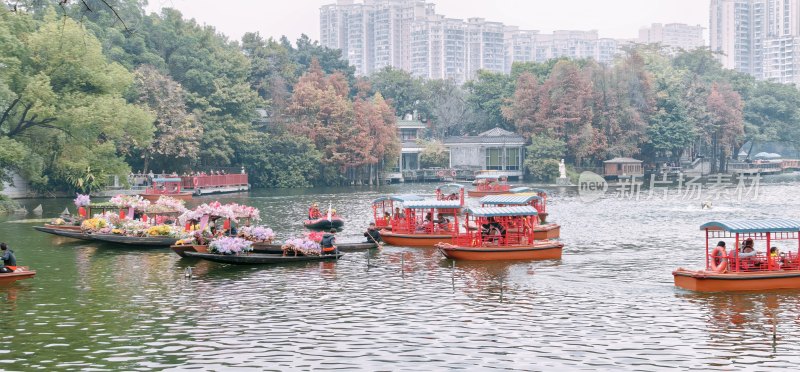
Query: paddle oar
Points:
[380, 244]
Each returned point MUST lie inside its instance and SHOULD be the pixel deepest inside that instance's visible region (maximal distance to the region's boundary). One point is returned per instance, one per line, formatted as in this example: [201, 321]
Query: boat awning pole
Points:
[707, 259]
[769, 253]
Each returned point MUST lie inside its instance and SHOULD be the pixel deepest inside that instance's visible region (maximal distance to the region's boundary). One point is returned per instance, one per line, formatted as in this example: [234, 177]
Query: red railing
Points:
[221, 180]
[761, 262]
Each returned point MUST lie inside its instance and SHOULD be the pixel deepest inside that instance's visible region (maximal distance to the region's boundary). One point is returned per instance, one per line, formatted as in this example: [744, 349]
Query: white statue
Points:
[562, 170]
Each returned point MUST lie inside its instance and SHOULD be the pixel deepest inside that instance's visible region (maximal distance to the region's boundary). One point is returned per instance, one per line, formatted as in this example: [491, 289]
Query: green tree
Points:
[487, 94]
[403, 91]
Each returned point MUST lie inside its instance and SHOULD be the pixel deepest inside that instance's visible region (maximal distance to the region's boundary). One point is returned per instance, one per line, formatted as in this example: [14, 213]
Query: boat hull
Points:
[324, 224]
[547, 232]
[147, 241]
[67, 231]
[266, 248]
[258, 258]
[709, 281]
[539, 251]
[6, 278]
[179, 196]
[414, 240]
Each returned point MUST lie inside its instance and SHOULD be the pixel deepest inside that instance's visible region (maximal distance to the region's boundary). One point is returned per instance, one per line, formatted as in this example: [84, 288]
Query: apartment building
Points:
[673, 35]
[757, 37]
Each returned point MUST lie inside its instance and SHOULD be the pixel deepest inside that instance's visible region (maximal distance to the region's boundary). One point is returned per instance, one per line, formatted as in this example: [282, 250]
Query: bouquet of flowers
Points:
[261, 234]
[128, 201]
[160, 230]
[230, 245]
[166, 204]
[94, 224]
[133, 227]
[244, 211]
[196, 237]
[82, 200]
[302, 246]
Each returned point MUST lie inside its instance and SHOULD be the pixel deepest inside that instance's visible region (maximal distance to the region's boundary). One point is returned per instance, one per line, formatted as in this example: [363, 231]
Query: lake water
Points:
[608, 304]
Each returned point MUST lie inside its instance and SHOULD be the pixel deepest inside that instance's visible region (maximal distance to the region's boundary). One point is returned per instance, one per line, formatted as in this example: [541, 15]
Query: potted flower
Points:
[82, 201]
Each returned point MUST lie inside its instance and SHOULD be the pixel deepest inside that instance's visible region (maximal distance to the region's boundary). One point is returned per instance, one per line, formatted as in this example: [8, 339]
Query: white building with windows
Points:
[495, 149]
[673, 35]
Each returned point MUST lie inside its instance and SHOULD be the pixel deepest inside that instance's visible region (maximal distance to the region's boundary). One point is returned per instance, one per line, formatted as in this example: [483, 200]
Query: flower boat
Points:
[541, 231]
[73, 232]
[198, 224]
[420, 227]
[737, 271]
[22, 272]
[387, 208]
[171, 187]
[506, 233]
[451, 191]
[259, 258]
[489, 184]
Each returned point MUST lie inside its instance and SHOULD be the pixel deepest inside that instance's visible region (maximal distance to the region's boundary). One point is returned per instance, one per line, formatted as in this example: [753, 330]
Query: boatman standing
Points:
[9, 260]
[328, 243]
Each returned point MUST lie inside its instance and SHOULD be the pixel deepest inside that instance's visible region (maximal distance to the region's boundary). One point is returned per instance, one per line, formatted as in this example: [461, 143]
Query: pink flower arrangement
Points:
[127, 201]
[245, 211]
[257, 233]
[82, 200]
[303, 246]
[167, 204]
[230, 245]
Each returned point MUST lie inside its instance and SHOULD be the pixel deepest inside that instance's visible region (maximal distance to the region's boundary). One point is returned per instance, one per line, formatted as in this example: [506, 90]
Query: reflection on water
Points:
[609, 303]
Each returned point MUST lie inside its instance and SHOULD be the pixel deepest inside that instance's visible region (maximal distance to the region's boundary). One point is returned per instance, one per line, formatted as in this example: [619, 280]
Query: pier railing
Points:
[217, 180]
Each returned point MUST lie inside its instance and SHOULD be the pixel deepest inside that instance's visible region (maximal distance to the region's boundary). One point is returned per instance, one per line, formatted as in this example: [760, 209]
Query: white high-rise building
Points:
[407, 34]
[758, 37]
[674, 35]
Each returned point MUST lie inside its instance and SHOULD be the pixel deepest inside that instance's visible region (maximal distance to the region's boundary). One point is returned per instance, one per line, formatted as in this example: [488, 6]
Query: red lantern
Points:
[226, 225]
[144, 218]
[122, 214]
[188, 227]
[82, 212]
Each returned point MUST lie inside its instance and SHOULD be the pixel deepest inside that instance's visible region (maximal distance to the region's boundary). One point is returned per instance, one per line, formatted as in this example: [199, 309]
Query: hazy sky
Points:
[612, 18]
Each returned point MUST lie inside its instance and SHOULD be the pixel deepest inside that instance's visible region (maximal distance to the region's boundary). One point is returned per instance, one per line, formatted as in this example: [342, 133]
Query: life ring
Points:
[719, 252]
[440, 173]
[195, 181]
[453, 173]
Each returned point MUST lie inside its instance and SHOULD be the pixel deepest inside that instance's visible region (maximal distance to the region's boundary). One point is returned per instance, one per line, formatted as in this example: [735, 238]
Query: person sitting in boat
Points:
[313, 212]
[747, 249]
[443, 222]
[492, 227]
[372, 234]
[452, 196]
[9, 260]
[387, 217]
[328, 243]
[398, 214]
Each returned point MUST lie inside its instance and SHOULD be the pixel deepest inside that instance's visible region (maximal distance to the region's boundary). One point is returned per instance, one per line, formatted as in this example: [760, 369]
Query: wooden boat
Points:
[388, 208]
[540, 231]
[267, 248]
[489, 184]
[22, 272]
[66, 231]
[324, 223]
[171, 187]
[743, 271]
[419, 226]
[143, 241]
[259, 258]
[506, 233]
[451, 191]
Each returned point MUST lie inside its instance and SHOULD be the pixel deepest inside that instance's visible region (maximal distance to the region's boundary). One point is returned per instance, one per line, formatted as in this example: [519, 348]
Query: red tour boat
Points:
[166, 186]
[488, 184]
[423, 224]
[737, 269]
[383, 209]
[504, 233]
[542, 231]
